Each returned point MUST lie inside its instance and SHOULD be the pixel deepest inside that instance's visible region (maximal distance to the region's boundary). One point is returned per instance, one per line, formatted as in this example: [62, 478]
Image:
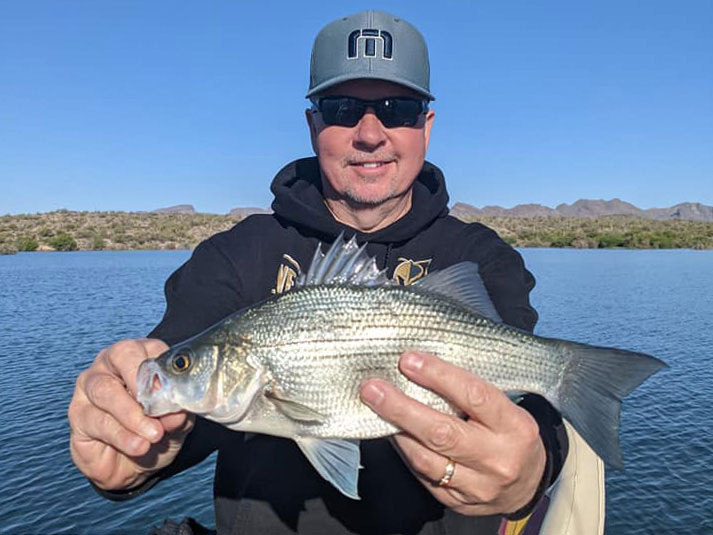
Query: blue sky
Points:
[140, 104]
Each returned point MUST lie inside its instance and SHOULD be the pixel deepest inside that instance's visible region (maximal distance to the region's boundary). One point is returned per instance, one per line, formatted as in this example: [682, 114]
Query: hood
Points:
[298, 200]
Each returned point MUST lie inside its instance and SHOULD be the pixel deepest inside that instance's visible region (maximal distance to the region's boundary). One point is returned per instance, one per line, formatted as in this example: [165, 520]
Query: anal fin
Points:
[336, 460]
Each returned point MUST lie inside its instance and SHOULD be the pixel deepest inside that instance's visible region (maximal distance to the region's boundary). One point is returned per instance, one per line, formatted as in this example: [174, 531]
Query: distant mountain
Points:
[597, 208]
[687, 211]
[692, 211]
[245, 212]
[461, 209]
[589, 208]
[189, 209]
[178, 209]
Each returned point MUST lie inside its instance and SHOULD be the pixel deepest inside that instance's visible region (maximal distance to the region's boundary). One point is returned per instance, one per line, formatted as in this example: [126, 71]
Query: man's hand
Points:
[112, 442]
[499, 456]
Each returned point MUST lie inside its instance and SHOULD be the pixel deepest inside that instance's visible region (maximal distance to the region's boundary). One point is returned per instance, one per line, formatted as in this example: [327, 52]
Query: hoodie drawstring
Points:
[386, 258]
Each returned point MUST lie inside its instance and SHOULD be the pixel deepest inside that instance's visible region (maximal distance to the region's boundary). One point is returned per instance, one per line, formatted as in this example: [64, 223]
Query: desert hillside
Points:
[66, 230]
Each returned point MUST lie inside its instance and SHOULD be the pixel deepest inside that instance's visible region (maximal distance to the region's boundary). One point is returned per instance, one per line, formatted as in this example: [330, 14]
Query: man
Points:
[370, 126]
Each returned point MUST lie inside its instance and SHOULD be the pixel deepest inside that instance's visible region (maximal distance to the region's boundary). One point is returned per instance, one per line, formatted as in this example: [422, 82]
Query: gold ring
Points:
[448, 475]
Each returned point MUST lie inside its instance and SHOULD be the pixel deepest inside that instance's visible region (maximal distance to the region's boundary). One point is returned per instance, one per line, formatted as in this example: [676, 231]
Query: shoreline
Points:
[515, 247]
[65, 230]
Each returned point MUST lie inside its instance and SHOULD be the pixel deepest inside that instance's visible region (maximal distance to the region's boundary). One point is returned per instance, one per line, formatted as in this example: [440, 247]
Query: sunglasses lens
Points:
[392, 112]
[395, 112]
[341, 111]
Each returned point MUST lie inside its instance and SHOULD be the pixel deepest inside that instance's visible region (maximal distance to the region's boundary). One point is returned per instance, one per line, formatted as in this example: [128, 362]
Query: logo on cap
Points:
[369, 37]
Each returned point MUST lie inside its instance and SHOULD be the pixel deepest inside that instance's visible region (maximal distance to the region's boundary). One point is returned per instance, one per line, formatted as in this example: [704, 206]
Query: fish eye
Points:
[181, 362]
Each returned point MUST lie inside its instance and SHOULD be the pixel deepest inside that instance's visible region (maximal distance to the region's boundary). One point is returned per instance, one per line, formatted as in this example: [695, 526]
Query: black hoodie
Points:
[264, 483]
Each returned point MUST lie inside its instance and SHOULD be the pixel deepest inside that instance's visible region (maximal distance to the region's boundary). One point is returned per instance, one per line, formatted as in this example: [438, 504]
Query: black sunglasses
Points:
[391, 111]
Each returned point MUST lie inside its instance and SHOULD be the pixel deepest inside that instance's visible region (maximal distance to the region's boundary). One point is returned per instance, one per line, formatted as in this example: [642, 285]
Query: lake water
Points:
[58, 309]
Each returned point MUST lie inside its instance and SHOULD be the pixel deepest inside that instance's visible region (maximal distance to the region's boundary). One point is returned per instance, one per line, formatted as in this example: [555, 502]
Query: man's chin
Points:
[368, 199]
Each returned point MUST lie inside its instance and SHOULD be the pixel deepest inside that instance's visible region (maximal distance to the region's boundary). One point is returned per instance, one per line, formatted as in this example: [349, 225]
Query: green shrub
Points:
[560, 240]
[611, 239]
[27, 244]
[662, 241]
[63, 242]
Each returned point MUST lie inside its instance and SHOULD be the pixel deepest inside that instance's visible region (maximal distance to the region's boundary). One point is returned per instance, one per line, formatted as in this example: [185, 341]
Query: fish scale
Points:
[327, 355]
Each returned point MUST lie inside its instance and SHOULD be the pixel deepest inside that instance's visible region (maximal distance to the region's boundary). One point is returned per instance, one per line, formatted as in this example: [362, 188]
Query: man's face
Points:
[369, 164]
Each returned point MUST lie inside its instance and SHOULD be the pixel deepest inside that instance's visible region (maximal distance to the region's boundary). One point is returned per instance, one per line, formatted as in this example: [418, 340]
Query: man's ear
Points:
[430, 115]
[309, 115]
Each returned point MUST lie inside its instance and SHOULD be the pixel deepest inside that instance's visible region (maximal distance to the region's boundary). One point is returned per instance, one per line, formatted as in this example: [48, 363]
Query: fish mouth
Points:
[153, 390]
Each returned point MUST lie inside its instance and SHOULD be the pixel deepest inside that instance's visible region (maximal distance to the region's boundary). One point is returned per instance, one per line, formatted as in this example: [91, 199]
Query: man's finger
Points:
[124, 358]
[439, 432]
[427, 464]
[109, 395]
[465, 486]
[97, 425]
[178, 422]
[480, 400]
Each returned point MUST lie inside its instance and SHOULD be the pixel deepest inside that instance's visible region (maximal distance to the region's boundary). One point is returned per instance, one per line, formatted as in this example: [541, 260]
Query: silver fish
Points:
[292, 365]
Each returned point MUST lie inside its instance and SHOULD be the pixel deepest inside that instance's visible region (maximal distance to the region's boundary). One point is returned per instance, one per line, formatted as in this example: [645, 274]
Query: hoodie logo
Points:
[409, 271]
[369, 37]
[286, 274]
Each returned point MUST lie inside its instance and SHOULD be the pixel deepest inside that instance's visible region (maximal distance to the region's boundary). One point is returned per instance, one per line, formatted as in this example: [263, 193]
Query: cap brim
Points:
[362, 76]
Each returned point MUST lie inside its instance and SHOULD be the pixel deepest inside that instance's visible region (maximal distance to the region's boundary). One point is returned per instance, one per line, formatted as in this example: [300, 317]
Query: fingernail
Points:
[149, 431]
[372, 395]
[412, 362]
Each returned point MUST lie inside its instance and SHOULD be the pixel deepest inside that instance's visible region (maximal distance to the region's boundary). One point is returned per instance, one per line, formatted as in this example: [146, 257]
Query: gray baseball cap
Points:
[369, 44]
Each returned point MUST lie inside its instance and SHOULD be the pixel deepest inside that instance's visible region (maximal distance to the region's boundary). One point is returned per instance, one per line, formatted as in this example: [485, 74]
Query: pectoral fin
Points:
[294, 409]
[337, 461]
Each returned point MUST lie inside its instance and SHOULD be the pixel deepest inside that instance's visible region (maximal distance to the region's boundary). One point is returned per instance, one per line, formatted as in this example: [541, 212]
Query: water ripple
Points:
[60, 309]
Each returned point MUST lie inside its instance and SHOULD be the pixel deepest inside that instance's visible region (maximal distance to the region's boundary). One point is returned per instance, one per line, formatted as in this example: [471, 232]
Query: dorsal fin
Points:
[462, 283]
[347, 263]
[344, 263]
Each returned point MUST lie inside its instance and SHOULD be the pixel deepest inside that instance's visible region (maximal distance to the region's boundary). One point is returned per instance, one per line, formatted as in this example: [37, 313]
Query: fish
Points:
[292, 365]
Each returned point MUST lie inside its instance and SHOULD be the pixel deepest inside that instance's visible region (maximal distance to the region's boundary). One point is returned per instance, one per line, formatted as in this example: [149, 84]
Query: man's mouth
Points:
[370, 165]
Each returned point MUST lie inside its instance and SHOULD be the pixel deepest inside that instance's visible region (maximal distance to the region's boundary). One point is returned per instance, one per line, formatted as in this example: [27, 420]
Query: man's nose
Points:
[369, 130]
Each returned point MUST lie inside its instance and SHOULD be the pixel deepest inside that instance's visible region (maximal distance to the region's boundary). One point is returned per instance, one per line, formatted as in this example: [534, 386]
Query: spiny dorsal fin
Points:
[344, 263]
[462, 283]
[347, 263]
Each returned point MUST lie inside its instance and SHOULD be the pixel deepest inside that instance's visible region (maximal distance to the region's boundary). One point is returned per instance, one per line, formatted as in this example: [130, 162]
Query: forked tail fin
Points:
[593, 384]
